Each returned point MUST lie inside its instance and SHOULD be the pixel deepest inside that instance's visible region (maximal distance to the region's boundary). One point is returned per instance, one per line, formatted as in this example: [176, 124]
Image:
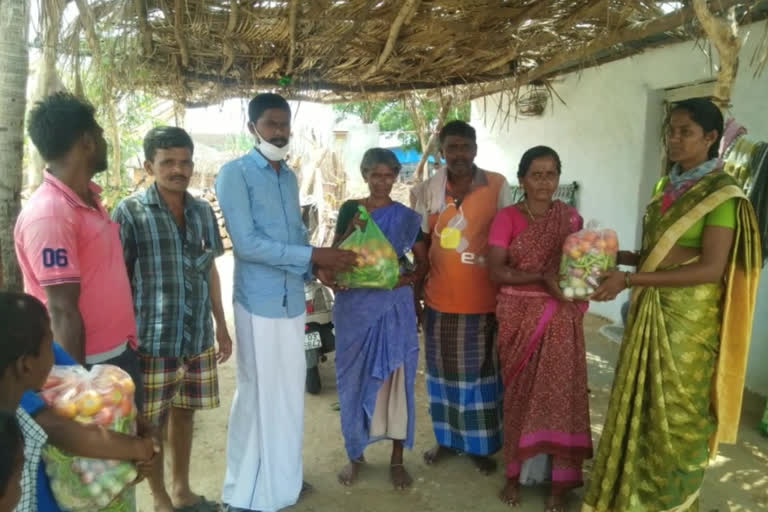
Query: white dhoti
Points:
[266, 424]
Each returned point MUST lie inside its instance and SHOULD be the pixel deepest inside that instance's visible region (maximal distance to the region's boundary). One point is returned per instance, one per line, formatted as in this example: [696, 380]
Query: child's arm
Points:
[93, 441]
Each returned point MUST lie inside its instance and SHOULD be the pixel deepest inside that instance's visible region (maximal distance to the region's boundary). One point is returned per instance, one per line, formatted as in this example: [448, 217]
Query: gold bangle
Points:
[627, 282]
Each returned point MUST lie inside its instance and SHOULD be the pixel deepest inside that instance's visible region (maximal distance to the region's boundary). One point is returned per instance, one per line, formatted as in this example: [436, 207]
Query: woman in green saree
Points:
[680, 375]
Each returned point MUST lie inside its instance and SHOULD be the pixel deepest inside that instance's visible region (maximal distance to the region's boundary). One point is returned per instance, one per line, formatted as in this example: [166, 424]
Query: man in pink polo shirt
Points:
[68, 248]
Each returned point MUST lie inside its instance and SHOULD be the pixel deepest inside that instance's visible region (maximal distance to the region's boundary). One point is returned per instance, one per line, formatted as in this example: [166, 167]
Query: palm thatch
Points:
[203, 51]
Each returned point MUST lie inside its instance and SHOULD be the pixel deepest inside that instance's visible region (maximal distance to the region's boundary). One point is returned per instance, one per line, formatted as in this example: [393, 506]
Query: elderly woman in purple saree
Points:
[377, 345]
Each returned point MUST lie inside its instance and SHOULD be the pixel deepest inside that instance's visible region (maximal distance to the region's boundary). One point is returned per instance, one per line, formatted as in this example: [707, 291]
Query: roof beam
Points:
[319, 85]
[407, 11]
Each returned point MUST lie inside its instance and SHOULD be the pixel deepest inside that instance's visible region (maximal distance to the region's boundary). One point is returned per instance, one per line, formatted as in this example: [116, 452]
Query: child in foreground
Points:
[12, 461]
[27, 354]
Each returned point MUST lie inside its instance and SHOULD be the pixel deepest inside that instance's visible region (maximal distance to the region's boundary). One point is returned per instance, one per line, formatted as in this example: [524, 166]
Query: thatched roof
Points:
[202, 51]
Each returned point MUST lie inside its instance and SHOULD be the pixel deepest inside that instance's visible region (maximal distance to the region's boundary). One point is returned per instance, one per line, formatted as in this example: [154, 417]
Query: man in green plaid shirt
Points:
[170, 241]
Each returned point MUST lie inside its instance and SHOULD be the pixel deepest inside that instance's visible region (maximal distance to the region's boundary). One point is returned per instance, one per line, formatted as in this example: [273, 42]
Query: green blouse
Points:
[723, 216]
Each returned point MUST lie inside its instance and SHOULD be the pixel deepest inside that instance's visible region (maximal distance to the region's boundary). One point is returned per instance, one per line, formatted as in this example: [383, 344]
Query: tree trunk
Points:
[367, 112]
[429, 147]
[116, 174]
[419, 120]
[14, 64]
[179, 113]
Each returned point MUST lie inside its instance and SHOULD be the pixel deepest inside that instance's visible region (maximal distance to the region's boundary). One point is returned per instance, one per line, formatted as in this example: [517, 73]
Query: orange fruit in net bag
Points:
[65, 408]
[126, 383]
[89, 403]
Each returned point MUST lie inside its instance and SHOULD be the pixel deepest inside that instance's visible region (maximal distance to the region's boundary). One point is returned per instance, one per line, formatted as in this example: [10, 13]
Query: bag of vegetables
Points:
[104, 396]
[586, 254]
[377, 264]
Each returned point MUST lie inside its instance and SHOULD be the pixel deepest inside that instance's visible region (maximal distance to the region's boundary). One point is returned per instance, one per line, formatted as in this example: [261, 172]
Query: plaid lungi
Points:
[186, 383]
[463, 381]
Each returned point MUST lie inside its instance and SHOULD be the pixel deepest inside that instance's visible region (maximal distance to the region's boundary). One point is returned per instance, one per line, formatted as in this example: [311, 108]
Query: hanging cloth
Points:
[747, 161]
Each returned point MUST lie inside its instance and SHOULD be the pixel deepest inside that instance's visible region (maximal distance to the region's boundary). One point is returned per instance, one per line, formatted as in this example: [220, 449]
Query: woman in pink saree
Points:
[541, 336]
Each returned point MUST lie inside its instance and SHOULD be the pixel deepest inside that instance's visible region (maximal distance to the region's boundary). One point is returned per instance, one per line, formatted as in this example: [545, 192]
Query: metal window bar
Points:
[565, 193]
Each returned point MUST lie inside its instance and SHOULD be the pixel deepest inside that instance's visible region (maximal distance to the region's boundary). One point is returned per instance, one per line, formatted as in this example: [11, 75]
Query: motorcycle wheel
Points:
[313, 384]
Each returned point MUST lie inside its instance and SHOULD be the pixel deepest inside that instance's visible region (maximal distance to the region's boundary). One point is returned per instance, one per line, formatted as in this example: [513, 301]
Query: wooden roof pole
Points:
[292, 28]
[725, 36]
[178, 22]
[86, 15]
[229, 50]
[144, 28]
[406, 11]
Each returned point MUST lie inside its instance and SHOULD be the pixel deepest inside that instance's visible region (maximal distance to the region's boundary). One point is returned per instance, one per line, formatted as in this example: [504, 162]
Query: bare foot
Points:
[556, 503]
[348, 475]
[510, 494]
[436, 453]
[400, 478]
[485, 465]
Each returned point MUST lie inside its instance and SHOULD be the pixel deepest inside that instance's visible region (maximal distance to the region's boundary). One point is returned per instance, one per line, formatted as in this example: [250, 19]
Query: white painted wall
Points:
[608, 136]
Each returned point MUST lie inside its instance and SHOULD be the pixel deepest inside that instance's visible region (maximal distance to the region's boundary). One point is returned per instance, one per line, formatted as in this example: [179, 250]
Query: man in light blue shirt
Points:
[259, 197]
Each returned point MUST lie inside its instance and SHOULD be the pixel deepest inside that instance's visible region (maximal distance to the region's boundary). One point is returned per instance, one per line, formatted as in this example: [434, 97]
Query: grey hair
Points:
[376, 156]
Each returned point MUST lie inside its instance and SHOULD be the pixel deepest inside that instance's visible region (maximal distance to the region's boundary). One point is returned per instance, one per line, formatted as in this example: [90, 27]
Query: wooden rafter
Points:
[407, 10]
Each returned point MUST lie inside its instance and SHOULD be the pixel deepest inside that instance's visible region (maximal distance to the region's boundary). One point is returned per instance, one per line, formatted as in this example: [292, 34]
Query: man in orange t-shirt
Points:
[458, 205]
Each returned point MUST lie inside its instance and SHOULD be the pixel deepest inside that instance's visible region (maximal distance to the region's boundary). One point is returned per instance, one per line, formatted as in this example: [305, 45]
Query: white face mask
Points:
[270, 151]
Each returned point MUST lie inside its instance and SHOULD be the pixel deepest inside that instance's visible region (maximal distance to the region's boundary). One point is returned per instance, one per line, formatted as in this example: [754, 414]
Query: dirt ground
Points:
[737, 480]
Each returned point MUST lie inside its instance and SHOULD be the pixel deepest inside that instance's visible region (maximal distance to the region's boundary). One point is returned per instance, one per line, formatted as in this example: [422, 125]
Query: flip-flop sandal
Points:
[306, 488]
[204, 505]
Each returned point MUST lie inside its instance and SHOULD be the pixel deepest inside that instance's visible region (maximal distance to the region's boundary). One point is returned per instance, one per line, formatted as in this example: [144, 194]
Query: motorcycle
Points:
[319, 334]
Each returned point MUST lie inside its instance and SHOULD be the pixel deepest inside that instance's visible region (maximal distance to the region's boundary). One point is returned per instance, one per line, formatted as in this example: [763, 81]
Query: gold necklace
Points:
[530, 214]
